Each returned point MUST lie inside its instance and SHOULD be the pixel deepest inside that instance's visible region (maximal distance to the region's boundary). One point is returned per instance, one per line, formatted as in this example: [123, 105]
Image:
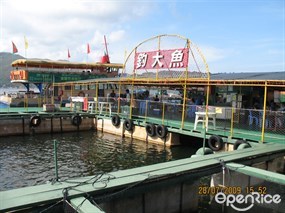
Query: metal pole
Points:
[183, 106]
[55, 159]
[119, 97]
[232, 122]
[97, 98]
[131, 102]
[105, 42]
[264, 112]
[204, 141]
[163, 113]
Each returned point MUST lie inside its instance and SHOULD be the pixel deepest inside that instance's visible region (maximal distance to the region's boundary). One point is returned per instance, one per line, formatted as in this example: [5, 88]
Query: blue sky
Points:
[234, 36]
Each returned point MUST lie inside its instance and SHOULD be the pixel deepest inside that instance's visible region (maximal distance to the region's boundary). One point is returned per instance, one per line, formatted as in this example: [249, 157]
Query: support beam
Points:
[258, 173]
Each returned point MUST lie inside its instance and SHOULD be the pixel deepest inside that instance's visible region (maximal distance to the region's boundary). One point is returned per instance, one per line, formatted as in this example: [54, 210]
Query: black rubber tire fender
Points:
[76, 120]
[161, 131]
[116, 120]
[35, 121]
[150, 130]
[215, 142]
[128, 124]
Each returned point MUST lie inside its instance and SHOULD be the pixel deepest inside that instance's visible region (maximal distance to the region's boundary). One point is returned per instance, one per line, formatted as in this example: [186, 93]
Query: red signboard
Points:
[162, 59]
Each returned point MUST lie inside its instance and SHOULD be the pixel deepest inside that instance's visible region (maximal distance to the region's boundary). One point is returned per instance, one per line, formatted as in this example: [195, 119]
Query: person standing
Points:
[128, 95]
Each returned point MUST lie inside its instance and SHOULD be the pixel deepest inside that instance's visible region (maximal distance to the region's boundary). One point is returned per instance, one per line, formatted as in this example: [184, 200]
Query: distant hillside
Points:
[5, 67]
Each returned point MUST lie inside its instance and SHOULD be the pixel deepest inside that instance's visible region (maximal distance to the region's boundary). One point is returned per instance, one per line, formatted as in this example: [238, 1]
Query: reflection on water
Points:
[29, 160]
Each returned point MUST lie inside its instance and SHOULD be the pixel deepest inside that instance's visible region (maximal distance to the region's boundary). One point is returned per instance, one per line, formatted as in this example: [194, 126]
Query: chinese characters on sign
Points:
[176, 58]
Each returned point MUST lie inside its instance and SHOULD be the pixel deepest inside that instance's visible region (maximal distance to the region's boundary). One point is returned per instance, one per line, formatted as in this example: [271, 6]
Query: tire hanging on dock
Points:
[161, 131]
[116, 120]
[128, 124]
[241, 144]
[204, 151]
[35, 121]
[150, 130]
[76, 120]
[215, 142]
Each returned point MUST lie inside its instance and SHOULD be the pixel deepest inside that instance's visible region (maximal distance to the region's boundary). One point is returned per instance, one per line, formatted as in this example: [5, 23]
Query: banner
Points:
[162, 59]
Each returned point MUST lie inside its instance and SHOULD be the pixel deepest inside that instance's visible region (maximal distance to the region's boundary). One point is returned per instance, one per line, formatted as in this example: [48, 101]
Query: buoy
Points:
[241, 144]
[202, 152]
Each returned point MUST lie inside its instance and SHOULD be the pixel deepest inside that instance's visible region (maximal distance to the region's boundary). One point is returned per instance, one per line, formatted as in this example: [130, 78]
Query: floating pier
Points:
[172, 185]
[38, 122]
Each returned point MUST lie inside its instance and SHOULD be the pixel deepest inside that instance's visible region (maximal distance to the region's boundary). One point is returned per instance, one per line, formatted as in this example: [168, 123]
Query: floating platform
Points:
[17, 121]
[141, 184]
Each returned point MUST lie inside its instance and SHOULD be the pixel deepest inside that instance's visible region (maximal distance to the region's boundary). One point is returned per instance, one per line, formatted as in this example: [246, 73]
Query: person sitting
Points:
[156, 98]
[113, 94]
[272, 105]
[142, 106]
[282, 107]
[198, 101]
[134, 104]
[191, 108]
[146, 95]
[112, 98]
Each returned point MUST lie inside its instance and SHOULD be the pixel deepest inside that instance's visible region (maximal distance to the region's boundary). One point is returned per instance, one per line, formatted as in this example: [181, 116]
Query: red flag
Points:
[88, 49]
[15, 50]
[68, 54]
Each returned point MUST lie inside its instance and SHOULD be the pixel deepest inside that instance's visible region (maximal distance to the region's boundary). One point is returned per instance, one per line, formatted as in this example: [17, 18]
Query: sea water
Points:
[29, 160]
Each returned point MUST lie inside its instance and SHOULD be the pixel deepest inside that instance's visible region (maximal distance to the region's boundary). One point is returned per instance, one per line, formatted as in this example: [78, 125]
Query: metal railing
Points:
[231, 122]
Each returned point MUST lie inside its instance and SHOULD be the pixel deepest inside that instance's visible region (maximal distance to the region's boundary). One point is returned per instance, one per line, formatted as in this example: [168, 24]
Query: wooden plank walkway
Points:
[104, 183]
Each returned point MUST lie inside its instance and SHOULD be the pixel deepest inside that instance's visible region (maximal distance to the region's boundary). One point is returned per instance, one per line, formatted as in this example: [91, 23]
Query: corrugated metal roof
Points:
[46, 63]
[221, 76]
[249, 76]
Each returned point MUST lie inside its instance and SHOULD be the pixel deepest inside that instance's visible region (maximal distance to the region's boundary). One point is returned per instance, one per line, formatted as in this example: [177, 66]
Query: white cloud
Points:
[117, 35]
[51, 27]
[212, 54]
